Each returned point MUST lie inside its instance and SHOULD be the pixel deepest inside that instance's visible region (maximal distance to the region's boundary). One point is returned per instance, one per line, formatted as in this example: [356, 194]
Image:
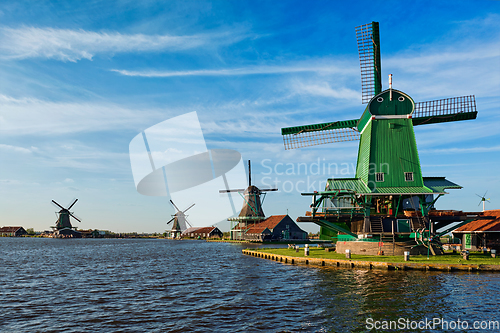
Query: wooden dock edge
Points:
[372, 264]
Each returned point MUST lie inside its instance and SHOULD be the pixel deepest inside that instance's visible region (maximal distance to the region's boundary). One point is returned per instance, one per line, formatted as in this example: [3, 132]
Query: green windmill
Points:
[388, 197]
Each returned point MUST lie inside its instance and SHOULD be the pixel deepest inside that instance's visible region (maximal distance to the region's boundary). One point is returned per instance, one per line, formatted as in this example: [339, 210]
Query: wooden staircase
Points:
[376, 225]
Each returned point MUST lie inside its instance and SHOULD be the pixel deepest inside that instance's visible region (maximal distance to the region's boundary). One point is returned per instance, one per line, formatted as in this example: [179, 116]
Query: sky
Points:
[80, 80]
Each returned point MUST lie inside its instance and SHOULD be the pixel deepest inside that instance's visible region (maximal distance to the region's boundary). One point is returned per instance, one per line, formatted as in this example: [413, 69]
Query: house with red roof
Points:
[12, 231]
[204, 232]
[275, 227]
[482, 232]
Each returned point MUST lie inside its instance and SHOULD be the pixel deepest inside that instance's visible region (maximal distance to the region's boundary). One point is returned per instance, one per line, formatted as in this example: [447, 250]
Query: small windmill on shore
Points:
[483, 200]
[251, 212]
[179, 220]
[63, 225]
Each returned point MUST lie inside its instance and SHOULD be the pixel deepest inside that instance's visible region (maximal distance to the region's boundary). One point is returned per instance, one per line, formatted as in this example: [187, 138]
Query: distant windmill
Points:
[180, 221]
[63, 221]
[483, 199]
[252, 206]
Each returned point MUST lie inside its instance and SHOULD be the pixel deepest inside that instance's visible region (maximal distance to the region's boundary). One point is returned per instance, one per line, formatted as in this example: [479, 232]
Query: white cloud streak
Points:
[250, 70]
[461, 150]
[33, 116]
[10, 148]
[74, 45]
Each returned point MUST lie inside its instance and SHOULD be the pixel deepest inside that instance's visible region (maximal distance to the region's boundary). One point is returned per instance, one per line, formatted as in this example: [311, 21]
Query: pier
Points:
[364, 264]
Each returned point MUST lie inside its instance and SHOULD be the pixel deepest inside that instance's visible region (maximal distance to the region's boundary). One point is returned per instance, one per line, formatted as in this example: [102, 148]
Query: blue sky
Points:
[78, 81]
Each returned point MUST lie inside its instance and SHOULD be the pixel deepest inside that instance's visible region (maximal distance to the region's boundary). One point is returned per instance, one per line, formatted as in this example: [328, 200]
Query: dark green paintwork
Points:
[388, 145]
[382, 105]
[444, 119]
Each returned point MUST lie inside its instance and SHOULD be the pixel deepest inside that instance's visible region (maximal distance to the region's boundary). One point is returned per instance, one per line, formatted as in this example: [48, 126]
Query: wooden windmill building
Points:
[179, 222]
[388, 200]
[63, 227]
[251, 212]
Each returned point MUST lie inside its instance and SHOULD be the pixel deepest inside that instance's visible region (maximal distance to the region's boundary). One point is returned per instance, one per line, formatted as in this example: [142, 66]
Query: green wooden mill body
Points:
[389, 194]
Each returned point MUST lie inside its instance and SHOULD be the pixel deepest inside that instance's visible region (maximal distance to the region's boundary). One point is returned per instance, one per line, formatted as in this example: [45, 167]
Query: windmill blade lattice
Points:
[229, 191]
[175, 206]
[185, 210]
[75, 217]
[444, 110]
[57, 205]
[74, 202]
[368, 38]
[311, 135]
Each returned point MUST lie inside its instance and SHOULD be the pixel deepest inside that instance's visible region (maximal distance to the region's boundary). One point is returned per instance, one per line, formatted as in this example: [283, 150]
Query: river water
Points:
[138, 285]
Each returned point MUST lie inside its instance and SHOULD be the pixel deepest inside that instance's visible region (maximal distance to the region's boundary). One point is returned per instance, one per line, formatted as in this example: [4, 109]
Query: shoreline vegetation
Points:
[478, 261]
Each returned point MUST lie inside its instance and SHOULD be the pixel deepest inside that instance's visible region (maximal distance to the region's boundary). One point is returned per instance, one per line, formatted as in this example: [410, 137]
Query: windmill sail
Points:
[311, 135]
[368, 38]
[445, 110]
[63, 220]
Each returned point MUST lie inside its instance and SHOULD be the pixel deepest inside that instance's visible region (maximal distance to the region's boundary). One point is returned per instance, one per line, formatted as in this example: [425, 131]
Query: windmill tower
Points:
[63, 227]
[388, 174]
[179, 220]
[251, 212]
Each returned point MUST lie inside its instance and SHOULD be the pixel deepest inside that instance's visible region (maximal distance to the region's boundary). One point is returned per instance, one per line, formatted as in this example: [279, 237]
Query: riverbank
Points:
[319, 257]
[289, 241]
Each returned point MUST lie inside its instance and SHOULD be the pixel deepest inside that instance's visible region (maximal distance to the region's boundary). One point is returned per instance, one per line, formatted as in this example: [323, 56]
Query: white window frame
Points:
[409, 175]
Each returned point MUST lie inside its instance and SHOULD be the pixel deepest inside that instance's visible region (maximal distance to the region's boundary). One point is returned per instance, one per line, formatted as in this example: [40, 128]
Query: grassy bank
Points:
[448, 258]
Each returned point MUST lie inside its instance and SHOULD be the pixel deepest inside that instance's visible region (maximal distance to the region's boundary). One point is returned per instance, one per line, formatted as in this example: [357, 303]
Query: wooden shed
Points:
[480, 233]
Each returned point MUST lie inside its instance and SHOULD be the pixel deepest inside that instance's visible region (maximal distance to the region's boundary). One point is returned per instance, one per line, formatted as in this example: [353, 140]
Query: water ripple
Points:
[137, 285]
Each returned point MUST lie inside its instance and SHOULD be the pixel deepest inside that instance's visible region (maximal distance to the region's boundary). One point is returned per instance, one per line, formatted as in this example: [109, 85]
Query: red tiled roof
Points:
[204, 230]
[190, 230]
[256, 230]
[9, 229]
[490, 221]
[271, 222]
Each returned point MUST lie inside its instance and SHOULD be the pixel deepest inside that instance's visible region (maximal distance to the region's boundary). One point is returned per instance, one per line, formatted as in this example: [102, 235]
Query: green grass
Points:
[448, 258]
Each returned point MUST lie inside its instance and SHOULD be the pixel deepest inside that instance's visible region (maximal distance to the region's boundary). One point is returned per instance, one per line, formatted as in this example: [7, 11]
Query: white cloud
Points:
[326, 68]
[9, 182]
[325, 90]
[15, 148]
[446, 70]
[74, 45]
[461, 150]
[69, 180]
[33, 116]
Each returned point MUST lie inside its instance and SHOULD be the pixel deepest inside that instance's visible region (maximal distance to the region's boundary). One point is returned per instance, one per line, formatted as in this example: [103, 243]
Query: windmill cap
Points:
[382, 105]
